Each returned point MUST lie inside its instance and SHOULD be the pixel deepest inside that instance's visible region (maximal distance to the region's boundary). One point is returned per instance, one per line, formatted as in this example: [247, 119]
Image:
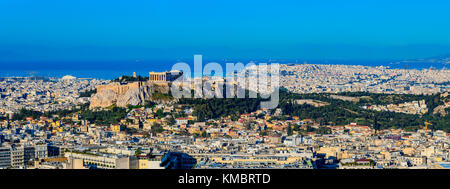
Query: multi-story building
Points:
[55, 151]
[41, 151]
[17, 157]
[416, 161]
[104, 161]
[5, 157]
[28, 153]
[150, 163]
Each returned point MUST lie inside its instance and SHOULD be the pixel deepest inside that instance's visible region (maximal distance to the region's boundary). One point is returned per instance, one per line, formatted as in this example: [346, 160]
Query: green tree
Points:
[138, 152]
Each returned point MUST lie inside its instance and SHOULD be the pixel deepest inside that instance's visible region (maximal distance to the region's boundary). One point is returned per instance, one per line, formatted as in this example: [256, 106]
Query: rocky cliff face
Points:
[123, 95]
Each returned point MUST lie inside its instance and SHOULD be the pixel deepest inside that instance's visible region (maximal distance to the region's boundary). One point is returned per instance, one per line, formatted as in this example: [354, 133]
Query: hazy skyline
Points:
[50, 30]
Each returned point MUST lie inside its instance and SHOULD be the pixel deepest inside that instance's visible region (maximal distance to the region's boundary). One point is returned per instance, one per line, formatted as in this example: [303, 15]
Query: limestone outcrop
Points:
[122, 95]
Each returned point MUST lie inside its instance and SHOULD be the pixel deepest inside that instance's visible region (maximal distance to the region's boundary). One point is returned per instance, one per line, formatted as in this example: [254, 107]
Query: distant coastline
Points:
[112, 71]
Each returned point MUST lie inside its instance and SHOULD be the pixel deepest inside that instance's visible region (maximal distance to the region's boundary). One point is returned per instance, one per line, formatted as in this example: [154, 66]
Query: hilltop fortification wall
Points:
[122, 95]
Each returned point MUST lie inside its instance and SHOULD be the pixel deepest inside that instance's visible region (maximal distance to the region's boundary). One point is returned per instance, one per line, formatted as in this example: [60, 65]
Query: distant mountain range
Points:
[437, 62]
[443, 59]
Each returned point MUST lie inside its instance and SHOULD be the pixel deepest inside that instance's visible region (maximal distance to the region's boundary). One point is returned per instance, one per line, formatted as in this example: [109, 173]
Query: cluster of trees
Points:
[149, 104]
[158, 96]
[88, 93]
[341, 112]
[367, 98]
[156, 128]
[433, 101]
[211, 108]
[130, 79]
[160, 113]
[204, 134]
[220, 107]
[320, 130]
[24, 113]
[112, 116]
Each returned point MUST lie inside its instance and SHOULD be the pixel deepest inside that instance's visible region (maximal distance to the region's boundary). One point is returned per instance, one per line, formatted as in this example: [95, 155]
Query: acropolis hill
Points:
[132, 93]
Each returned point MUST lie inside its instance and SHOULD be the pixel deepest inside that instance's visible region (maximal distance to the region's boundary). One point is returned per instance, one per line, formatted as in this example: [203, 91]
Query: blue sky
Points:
[109, 30]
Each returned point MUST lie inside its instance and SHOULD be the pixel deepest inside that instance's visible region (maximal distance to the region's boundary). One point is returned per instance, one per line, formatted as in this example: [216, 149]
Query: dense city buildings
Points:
[49, 124]
[312, 78]
[42, 94]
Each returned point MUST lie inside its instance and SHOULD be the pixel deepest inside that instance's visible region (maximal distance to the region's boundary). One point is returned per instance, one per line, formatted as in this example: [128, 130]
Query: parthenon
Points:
[158, 76]
[164, 76]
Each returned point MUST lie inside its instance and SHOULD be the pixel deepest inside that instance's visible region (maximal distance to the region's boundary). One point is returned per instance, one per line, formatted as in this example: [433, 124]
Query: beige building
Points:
[329, 151]
[101, 161]
[417, 160]
[150, 164]
[17, 157]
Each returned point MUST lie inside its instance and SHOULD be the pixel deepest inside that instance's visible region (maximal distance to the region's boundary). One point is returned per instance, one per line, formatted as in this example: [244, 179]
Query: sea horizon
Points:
[116, 69]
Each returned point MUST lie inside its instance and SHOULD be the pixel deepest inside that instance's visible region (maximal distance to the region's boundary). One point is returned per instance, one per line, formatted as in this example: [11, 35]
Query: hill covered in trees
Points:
[340, 112]
[332, 112]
